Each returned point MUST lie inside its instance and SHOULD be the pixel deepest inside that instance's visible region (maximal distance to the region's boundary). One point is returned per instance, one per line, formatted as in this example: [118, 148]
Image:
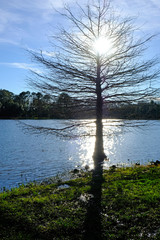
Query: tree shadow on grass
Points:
[93, 225]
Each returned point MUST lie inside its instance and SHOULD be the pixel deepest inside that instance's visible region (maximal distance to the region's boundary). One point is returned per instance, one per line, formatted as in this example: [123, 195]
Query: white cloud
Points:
[148, 12]
[26, 19]
[44, 52]
[37, 4]
[6, 40]
[26, 66]
[7, 18]
[31, 20]
[48, 54]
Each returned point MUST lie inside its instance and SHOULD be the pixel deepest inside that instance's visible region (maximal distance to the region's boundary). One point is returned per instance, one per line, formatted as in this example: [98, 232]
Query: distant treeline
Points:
[37, 105]
[33, 105]
[142, 110]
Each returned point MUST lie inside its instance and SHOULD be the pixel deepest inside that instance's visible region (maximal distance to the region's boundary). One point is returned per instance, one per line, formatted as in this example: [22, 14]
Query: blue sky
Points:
[27, 24]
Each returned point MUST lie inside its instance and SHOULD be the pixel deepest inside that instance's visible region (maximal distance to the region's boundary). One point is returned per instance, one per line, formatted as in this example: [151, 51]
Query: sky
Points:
[29, 24]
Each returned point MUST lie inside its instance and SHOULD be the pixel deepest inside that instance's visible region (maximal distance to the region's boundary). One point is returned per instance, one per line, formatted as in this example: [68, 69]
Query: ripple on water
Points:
[28, 157]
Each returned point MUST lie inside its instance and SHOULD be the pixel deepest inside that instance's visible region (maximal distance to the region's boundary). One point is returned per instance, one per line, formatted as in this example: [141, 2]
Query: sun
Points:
[103, 45]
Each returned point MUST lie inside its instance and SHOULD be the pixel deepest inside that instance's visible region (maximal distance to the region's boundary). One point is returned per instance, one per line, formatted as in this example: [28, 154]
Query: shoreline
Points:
[72, 174]
[129, 203]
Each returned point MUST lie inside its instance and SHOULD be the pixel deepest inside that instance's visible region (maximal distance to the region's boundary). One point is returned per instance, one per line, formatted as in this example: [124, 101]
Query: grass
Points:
[130, 207]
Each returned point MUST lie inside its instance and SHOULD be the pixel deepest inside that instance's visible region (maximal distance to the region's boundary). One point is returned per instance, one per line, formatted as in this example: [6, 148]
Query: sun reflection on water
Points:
[86, 143]
[86, 152]
[124, 142]
[113, 138]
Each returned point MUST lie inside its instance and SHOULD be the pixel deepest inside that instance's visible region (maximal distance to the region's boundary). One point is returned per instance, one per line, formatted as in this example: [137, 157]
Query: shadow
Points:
[92, 225]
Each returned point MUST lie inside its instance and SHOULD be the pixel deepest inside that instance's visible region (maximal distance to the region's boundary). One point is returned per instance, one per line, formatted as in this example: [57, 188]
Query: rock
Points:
[156, 163]
[86, 167]
[113, 168]
[106, 159]
[75, 171]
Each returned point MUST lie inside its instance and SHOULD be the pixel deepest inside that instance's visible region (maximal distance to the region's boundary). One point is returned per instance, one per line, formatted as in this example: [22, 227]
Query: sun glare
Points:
[103, 45]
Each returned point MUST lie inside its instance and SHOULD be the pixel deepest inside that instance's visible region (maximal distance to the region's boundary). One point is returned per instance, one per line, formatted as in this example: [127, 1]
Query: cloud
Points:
[44, 52]
[26, 66]
[5, 40]
[30, 21]
[37, 4]
[7, 18]
[26, 19]
[146, 11]
[48, 54]
[12, 30]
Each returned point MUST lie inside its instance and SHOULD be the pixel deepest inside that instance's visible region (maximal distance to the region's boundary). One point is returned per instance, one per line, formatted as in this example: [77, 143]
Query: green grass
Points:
[130, 207]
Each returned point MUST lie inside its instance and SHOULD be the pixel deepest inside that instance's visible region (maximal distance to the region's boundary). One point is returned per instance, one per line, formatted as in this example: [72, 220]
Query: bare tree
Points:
[98, 59]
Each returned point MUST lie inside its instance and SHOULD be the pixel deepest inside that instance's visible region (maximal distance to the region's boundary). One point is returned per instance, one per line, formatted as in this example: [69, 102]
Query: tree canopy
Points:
[97, 40]
[99, 59]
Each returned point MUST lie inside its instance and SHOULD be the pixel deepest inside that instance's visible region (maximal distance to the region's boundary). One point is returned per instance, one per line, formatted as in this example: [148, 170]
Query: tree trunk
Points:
[99, 155]
[99, 150]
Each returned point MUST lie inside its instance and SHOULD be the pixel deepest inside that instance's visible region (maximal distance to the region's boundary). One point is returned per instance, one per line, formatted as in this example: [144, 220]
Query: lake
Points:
[26, 156]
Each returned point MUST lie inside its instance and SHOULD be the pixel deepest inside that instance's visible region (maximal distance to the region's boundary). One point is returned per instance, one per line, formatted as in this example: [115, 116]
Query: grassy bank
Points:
[128, 203]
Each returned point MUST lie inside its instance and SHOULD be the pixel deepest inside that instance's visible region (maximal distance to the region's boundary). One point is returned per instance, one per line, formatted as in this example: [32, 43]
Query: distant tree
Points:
[64, 103]
[8, 108]
[6, 96]
[98, 59]
[25, 105]
[40, 105]
[36, 104]
[23, 100]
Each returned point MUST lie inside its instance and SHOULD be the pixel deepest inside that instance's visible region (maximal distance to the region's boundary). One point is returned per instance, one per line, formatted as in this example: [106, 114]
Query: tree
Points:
[97, 60]
[8, 107]
[64, 103]
[23, 102]
[6, 96]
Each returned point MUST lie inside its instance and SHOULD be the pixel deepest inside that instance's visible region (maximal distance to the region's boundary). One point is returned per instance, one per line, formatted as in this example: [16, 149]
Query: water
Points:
[26, 157]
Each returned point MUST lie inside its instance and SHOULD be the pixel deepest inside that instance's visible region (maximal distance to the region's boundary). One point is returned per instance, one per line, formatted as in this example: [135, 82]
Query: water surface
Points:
[26, 157]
